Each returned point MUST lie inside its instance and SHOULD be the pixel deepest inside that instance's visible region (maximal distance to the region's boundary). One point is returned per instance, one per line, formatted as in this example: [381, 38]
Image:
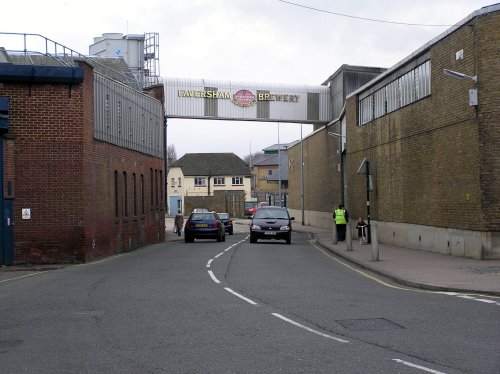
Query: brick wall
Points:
[436, 161]
[66, 178]
[322, 180]
[487, 41]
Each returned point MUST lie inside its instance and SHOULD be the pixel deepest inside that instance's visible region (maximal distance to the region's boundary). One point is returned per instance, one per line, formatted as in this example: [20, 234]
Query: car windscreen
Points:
[224, 215]
[271, 213]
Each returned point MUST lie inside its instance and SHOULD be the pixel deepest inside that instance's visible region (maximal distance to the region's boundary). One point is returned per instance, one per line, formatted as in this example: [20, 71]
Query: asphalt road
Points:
[236, 307]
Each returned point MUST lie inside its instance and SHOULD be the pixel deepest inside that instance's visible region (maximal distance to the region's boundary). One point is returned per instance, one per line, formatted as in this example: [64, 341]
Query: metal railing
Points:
[38, 49]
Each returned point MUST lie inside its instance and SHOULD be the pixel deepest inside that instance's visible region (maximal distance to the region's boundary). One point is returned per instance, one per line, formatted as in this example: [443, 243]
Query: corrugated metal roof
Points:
[115, 67]
[266, 160]
[282, 146]
[282, 162]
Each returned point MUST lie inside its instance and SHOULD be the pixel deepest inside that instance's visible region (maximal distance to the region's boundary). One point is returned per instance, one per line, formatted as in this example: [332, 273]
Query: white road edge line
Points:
[417, 366]
[22, 276]
[209, 262]
[67, 268]
[486, 301]
[309, 329]
[213, 276]
[240, 296]
[220, 254]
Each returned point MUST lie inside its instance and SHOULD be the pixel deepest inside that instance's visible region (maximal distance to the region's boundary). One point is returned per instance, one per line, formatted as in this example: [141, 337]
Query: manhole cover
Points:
[6, 344]
[493, 270]
[370, 324]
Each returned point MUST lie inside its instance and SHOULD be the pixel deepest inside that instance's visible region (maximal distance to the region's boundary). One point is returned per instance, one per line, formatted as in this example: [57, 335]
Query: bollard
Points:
[374, 234]
[348, 237]
[334, 239]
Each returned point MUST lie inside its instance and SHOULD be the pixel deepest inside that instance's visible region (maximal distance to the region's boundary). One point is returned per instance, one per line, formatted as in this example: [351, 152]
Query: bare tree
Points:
[252, 157]
[171, 154]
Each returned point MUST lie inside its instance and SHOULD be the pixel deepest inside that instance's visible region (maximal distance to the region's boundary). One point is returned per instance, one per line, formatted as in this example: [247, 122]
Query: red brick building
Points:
[82, 163]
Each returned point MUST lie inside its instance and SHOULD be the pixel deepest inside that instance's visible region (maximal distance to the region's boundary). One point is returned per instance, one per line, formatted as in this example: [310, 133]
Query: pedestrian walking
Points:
[341, 218]
[361, 226]
[178, 222]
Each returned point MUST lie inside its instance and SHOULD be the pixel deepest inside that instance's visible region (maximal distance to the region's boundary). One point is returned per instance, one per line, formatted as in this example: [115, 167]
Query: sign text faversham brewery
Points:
[211, 94]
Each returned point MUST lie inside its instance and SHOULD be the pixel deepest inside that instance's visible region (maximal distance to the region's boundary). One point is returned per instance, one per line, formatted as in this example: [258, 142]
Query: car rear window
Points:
[224, 215]
[203, 217]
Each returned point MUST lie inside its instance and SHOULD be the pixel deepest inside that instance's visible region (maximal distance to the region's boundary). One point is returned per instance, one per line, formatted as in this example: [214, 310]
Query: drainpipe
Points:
[165, 163]
[2, 236]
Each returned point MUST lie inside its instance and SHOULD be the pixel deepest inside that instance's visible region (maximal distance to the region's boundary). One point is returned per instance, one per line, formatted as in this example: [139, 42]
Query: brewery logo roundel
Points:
[244, 98]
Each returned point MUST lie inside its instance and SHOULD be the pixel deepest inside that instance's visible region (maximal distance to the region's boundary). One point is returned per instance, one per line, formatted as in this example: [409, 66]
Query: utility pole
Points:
[368, 233]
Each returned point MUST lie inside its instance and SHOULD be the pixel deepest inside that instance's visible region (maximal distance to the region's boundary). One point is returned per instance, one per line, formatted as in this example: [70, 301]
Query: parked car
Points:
[250, 211]
[271, 222]
[248, 205]
[227, 221]
[200, 210]
[206, 225]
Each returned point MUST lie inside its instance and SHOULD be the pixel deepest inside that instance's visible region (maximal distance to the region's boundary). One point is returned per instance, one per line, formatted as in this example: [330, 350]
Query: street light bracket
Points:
[457, 75]
[334, 134]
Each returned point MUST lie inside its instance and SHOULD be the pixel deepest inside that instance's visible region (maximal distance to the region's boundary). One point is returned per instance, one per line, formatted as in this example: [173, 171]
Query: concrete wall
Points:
[313, 218]
[447, 241]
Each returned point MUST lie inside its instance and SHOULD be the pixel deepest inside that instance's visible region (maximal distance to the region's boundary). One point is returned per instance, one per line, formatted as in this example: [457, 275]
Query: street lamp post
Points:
[279, 165]
[364, 169]
[302, 176]
[368, 229]
[339, 150]
[165, 164]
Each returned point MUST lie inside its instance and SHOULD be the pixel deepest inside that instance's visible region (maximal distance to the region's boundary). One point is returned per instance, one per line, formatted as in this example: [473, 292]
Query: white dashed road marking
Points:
[213, 277]
[309, 329]
[240, 296]
[254, 303]
[417, 366]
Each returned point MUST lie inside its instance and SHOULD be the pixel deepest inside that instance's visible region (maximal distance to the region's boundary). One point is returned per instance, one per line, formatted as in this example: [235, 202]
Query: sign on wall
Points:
[199, 98]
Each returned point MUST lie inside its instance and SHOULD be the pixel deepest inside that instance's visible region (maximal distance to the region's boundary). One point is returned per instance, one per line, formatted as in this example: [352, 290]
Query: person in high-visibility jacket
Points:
[341, 218]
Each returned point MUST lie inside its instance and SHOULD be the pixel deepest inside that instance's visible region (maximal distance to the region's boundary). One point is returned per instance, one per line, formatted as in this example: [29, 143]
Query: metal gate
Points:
[6, 242]
[6, 211]
[235, 204]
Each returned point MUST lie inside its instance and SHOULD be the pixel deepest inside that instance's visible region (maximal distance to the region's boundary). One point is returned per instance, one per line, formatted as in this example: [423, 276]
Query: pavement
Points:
[408, 267]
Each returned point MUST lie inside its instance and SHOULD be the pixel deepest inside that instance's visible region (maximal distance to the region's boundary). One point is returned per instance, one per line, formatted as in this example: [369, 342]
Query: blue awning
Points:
[41, 74]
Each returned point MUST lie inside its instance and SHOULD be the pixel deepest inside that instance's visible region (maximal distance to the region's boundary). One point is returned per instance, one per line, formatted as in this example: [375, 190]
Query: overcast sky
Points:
[268, 41]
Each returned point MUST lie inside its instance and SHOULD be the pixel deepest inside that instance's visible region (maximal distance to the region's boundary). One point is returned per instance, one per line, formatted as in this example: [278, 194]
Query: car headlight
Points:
[285, 228]
[255, 227]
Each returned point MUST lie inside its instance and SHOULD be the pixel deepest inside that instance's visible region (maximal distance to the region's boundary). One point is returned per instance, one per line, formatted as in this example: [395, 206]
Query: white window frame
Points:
[219, 181]
[200, 182]
[237, 181]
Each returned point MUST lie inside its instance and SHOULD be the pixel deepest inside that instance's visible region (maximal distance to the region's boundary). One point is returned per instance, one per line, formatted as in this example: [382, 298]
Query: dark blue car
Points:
[206, 225]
